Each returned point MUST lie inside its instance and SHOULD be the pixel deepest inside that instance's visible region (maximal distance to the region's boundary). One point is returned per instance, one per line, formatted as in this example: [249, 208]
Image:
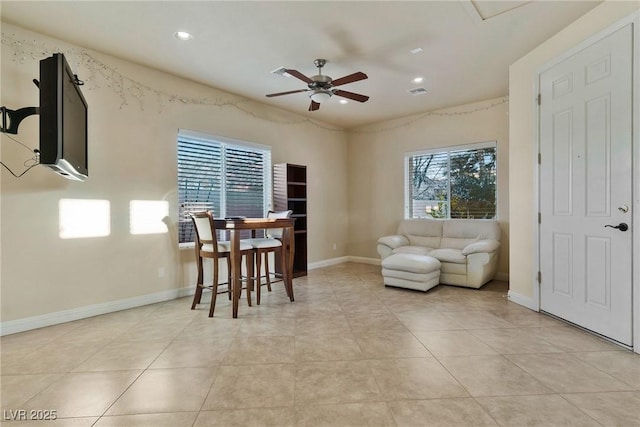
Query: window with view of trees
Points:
[227, 177]
[455, 183]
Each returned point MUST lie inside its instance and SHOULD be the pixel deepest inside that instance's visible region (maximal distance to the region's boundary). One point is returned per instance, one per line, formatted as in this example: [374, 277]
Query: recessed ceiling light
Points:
[416, 50]
[343, 101]
[183, 35]
[418, 80]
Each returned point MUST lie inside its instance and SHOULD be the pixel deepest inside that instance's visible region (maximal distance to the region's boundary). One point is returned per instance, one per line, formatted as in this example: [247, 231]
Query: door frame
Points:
[634, 20]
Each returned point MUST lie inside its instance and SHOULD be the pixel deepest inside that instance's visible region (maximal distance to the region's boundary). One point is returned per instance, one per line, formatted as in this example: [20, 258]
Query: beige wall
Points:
[376, 167]
[132, 155]
[522, 157]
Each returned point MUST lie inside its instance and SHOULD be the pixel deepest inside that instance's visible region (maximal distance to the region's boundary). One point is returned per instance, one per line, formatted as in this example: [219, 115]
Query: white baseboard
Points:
[341, 260]
[327, 262]
[364, 260]
[49, 319]
[523, 300]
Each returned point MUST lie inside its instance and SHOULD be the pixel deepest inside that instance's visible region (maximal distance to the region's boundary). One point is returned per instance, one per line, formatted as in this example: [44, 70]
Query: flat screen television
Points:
[63, 119]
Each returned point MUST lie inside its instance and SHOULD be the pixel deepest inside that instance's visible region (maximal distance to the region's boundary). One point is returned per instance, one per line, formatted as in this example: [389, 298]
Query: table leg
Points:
[250, 282]
[235, 269]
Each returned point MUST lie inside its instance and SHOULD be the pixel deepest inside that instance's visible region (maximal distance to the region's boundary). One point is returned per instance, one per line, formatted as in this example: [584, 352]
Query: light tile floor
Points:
[347, 352]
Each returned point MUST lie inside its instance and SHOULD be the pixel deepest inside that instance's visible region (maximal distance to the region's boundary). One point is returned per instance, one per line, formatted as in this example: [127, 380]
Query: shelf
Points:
[290, 193]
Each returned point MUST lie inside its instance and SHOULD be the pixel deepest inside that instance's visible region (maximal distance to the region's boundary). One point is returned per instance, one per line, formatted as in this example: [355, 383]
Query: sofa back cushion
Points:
[422, 232]
[458, 233]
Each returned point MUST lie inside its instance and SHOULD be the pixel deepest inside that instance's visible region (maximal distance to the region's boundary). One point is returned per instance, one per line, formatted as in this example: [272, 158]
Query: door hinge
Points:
[539, 158]
[539, 99]
[539, 277]
[539, 217]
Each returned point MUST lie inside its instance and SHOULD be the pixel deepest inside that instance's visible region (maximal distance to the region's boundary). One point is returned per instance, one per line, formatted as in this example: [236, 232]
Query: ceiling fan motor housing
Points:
[320, 82]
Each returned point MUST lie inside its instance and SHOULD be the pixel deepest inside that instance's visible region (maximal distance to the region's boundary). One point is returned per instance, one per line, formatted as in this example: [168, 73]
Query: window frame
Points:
[446, 150]
[226, 142]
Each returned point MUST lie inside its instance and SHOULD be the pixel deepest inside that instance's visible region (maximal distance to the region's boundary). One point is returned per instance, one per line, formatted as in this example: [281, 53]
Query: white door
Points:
[586, 187]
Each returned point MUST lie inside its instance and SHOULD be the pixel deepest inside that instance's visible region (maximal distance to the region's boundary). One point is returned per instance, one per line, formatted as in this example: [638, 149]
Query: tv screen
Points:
[63, 120]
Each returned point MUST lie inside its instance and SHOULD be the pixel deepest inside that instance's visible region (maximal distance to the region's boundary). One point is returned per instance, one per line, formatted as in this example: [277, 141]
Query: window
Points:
[228, 177]
[456, 183]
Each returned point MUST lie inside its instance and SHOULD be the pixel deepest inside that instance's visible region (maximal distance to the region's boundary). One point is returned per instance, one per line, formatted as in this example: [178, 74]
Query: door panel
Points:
[585, 175]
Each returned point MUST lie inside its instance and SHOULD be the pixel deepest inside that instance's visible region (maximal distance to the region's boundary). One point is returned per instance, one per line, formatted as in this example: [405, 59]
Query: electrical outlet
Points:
[335, 246]
[161, 272]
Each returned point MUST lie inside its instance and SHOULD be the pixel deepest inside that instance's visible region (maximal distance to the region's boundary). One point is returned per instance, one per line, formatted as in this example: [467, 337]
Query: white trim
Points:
[327, 263]
[205, 137]
[50, 319]
[365, 260]
[634, 20]
[453, 148]
[535, 285]
[523, 300]
[341, 260]
[635, 243]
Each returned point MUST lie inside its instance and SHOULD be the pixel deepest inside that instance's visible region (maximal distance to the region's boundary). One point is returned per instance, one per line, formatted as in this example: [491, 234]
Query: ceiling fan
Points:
[323, 87]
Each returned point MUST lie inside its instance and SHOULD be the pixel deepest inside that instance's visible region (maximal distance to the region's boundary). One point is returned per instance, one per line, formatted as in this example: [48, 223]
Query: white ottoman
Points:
[419, 272]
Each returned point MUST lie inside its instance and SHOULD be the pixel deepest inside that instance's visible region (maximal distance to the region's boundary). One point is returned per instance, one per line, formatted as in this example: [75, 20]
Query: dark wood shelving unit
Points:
[290, 192]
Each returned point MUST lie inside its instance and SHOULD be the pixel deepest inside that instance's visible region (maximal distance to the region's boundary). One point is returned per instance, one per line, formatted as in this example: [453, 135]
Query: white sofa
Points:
[466, 249]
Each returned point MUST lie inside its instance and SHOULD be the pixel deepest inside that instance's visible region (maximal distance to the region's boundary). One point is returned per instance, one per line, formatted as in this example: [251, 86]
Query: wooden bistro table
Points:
[235, 226]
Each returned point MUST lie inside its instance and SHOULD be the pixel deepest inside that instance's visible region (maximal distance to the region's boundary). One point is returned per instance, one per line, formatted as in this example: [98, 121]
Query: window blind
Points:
[230, 179]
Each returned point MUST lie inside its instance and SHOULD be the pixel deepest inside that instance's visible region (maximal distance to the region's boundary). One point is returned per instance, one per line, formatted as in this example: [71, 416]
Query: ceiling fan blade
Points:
[314, 106]
[349, 79]
[297, 74]
[286, 93]
[351, 95]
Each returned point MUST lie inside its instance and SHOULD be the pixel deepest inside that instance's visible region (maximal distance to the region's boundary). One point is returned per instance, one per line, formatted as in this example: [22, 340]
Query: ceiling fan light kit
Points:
[320, 95]
[322, 87]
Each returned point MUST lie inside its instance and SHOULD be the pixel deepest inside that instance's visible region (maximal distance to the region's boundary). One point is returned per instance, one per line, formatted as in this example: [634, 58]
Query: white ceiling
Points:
[467, 46]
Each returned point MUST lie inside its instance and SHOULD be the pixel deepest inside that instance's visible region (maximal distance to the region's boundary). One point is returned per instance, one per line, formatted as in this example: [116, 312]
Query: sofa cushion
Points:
[416, 250]
[412, 263]
[471, 229]
[449, 255]
[414, 277]
[421, 232]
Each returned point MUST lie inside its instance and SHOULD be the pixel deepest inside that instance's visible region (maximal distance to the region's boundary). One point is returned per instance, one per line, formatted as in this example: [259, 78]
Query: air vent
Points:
[417, 91]
[281, 72]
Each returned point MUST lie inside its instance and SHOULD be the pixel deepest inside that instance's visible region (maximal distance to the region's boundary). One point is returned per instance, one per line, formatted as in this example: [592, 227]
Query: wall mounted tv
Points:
[63, 119]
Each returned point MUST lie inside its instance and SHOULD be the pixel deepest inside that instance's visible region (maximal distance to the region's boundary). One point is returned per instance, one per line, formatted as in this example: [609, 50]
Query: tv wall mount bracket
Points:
[15, 118]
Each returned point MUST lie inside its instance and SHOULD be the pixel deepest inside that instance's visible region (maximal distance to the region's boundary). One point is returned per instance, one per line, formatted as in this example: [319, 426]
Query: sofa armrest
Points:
[481, 246]
[393, 241]
[387, 244]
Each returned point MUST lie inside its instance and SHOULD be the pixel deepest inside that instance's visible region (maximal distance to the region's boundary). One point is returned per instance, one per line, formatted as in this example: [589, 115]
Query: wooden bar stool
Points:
[208, 246]
[263, 246]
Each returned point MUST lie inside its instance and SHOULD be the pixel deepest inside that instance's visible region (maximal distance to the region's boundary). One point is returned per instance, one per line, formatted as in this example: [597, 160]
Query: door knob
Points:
[622, 226]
